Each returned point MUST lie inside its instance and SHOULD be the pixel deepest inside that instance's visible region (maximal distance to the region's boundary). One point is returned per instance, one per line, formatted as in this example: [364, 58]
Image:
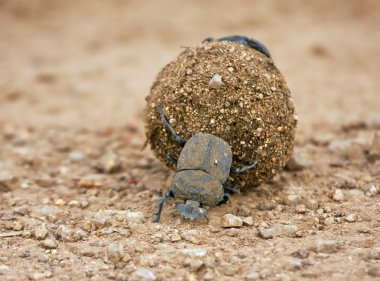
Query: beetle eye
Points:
[216, 162]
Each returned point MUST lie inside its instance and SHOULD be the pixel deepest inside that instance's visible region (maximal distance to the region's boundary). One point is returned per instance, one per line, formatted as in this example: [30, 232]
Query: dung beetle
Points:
[202, 170]
[251, 42]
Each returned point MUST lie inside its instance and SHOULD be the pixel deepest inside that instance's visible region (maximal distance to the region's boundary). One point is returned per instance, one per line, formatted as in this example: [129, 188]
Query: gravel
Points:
[111, 162]
[229, 220]
[372, 190]
[41, 232]
[50, 243]
[283, 230]
[327, 246]
[42, 257]
[143, 274]
[115, 252]
[374, 253]
[301, 254]
[351, 218]
[338, 195]
[252, 276]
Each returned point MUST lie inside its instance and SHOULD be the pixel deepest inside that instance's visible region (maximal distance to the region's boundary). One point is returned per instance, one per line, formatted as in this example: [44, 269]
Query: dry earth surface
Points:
[77, 193]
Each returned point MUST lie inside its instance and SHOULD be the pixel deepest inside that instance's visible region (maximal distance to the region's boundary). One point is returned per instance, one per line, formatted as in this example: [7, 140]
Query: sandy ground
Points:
[77, 193]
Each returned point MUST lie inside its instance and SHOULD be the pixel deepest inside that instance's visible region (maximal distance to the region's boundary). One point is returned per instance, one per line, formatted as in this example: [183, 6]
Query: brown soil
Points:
[77, 193]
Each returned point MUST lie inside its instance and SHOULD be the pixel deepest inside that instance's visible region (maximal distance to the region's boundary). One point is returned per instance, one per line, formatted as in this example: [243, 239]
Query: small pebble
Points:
[195, 264]
[76, 156]
[312, 204]
[143, 274]
[351, 218]
[354, 195]
[266, 206]
[110, 163]
[338, 195]
[252, 276]
[25, 184]
[231, 232]
[327, 246]
[372, 190]
[49, 243]
[190, 235]
[6, 180]
[289, 230]
[209, 276]
[301, 209]
[195, 252]
[42, 257]
[18, 226]
[41, 232]
[248, 221]
[329, 221]
[60, 202]
[216, 81]
[74, 204]
[293, 200]
[374, 253]
[229, 220]
[115, 252]
[269, 233]
[301, 254]
[175, 237]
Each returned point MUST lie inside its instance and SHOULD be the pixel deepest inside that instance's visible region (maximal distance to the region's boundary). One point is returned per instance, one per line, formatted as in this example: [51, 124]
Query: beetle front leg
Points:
[244, 169]
[172, 159]
[229, 188]
[157, 214]
[169, 126]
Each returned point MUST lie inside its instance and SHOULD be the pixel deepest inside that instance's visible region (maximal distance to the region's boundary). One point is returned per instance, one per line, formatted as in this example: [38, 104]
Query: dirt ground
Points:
[77, 193]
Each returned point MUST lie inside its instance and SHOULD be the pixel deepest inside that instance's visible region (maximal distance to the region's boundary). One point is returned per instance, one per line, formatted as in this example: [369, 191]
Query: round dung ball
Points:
[231, 91]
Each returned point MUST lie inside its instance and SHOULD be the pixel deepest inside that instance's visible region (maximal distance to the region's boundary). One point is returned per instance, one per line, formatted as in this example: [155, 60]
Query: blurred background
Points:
[90, 63]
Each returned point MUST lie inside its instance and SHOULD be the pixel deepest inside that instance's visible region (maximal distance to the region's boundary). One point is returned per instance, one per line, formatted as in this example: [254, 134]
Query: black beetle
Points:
[251, 42]
[203, 168]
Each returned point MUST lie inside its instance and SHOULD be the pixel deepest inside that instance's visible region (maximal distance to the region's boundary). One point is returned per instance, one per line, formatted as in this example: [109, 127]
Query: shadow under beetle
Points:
[202, 170]
[251, 42]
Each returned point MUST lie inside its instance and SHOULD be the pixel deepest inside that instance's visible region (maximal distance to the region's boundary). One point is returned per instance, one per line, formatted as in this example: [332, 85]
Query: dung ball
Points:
[231, 91]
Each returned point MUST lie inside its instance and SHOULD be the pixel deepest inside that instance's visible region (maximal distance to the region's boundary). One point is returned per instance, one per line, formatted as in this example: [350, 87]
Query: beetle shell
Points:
[198, 186]
[208, 153]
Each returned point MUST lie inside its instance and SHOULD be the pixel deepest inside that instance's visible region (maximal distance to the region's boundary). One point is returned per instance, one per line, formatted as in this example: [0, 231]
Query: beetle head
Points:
[191, 210]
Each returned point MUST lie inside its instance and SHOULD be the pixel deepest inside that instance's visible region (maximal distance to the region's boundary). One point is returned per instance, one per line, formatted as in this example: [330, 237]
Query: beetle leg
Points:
[244, 169]
[229, 188]
[257, 45]
[164, 119]
[208, 39]
[225, 199]
[172, 159]
[157, 214]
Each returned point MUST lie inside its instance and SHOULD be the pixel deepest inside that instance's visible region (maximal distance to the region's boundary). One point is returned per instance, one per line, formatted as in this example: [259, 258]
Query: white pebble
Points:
[216, 81]
[338, 195]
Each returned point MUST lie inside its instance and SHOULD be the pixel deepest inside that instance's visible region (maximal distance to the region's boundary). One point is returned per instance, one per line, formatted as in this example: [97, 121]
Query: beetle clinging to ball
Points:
[202, 171]
[225, 94]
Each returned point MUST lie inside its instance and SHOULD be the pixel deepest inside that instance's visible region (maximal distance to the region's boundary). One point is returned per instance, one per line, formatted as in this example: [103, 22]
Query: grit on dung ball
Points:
[231, 91]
